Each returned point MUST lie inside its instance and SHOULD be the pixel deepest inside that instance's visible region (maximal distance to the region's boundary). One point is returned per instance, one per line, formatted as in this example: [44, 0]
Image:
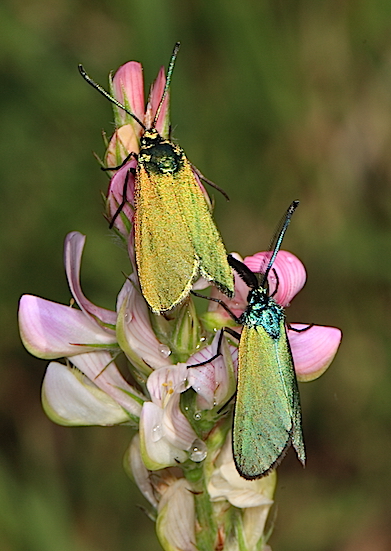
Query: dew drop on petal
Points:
[164, 350]
[198, 451]
[157, 433]
[128, 317]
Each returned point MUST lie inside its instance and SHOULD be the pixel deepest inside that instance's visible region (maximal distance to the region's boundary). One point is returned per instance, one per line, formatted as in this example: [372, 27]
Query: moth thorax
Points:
[160, 158]
[167, 164]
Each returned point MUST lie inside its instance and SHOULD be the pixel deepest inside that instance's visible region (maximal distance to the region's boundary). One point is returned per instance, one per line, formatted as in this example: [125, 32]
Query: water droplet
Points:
[157, 433]
[128, 317]
[164, 350]
[197, 416]
[198, 451]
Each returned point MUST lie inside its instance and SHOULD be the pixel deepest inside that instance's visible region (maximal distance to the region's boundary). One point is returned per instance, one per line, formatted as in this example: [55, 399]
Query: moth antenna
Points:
[168, 81]
[104, 93]
[286, 221]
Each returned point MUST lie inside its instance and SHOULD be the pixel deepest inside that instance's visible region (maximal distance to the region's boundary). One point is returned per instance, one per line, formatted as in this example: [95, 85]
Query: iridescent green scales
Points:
[267, 415]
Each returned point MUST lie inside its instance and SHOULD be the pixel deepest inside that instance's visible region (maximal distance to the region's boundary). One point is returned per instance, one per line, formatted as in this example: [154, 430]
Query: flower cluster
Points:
[178, 401]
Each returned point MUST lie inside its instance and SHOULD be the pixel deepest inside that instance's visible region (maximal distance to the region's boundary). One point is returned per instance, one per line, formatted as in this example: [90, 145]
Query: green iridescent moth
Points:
[267, 416]
[176, 239]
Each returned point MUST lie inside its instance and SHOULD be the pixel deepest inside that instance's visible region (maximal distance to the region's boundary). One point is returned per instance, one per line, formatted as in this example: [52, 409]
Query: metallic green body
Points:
[267, 410]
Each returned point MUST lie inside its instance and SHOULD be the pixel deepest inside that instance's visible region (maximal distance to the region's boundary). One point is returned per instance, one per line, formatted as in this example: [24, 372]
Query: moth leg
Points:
[127, 158]
[124, 195]
[212, 184]
[277, 283]
[300, 330]
[221, 302]
[218, 352]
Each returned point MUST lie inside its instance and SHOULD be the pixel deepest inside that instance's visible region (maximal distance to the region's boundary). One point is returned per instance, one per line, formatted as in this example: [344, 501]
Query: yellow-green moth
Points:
[176, 239]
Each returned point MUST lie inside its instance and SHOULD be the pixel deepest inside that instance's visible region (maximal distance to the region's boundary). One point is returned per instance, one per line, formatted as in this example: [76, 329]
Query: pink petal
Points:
[135, 467]
[128, 85]
[69, 399]
[157, 451]
[176, 427]
[202, 378]
[50, 330]
[115, 196]
[176, 519]
[155, 95]
[313, 350]
[290, 271]
[73, 250]
[122, 142]
[165, 381]
[100, 368]
[134, 330]
[212, 380]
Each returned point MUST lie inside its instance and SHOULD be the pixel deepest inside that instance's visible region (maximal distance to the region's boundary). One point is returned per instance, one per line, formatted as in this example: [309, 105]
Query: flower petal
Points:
[69, 398]
[226, 483]
[290, 272]
[134, 331]
[176, 427]
[136, 469]
[254, 520]
[165, 381]
[50, 330]
[175, 524]
[100, 368]
[122, 142]
[115, 197]
[163, 122]
[73, 250]
[128, 88]
[313, 350]
[165, 385]
[156, 451]
[215, 381]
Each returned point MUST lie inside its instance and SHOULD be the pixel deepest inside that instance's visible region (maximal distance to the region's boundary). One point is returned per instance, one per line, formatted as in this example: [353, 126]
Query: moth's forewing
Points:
[167, 264]
[207, 241]
[267, 409]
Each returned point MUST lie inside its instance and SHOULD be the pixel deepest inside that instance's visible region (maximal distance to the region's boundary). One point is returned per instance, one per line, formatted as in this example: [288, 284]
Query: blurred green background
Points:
[274, 101]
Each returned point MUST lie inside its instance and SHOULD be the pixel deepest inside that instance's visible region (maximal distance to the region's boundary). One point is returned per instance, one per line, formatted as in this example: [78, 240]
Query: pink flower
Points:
[313, 350]
[87, 336]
